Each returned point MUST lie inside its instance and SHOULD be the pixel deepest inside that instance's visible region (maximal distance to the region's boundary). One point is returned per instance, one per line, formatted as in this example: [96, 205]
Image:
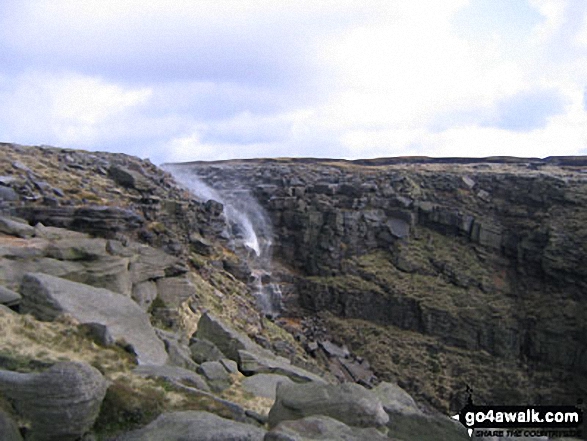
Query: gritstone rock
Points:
[62, 403]
[47, 297]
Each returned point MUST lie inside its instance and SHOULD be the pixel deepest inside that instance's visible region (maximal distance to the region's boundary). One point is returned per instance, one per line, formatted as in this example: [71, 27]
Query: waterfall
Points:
[251, 230]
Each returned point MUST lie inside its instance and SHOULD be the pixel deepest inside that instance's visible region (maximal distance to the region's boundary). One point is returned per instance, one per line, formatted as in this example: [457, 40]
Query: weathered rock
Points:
[47, 297]
[144, 293]
[173, 291]
[77, 249]
[101, 221]
[195, 426]
[99, 333]
[394, 399]
[407, 422]
[129, 178]
[348, 402]
[321, 428]
[177, 350]
[264, 385]
[8, 428]
[16, 227]
[9, 297]
[150, 264]
[173, 374]
[62, 403]
[223, 336]
[204, 350]
[264, 362]
[216, 375]
[8, 194]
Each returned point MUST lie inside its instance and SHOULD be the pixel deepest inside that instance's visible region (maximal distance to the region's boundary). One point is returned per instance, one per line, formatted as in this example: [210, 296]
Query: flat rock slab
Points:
[321, 428]
[349, 403]
[47, 297]
[195, 426]
[173, 374]
[264, 362]
[264, 385]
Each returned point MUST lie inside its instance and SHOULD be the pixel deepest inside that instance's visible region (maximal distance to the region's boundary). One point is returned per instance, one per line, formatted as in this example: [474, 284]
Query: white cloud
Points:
[209, 80]
[67, 109]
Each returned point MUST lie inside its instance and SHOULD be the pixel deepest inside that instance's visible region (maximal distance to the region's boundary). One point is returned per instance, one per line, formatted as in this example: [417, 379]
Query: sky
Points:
[190, 80]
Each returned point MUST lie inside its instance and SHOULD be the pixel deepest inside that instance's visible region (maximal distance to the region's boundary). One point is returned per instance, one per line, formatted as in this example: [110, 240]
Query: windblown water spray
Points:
[250, 225]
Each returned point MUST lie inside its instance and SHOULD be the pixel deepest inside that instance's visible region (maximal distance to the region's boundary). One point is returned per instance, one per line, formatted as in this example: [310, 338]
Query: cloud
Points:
[210, 80]
[527, 110]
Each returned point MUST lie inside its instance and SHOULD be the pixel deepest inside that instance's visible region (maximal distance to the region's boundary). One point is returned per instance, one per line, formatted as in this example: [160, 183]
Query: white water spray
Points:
[250, 226]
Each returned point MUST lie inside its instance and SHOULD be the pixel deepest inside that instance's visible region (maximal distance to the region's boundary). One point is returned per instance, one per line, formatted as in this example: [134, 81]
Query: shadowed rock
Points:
[61, 403]
[321, 428]
[350, 403]
[194, 426]
[48, 297]
[8, 428]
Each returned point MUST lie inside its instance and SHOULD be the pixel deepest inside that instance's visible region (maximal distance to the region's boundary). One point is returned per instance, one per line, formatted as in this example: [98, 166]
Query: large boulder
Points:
[321, 428]
[223, 336]
[195, 426]
[348, 402]
[61, 403]
[47, 297]
[408, 423]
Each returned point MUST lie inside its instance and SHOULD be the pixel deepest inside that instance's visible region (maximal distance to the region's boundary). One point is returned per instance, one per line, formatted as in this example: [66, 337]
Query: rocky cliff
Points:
[443, 273]
[131, 308]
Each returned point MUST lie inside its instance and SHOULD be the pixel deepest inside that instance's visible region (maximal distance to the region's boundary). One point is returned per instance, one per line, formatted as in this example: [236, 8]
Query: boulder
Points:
[264, 385]
[77, 249]
[173, 374]
[321, 428]
[203, 350]
[216, 375]
[173, 291]
[8, 194]
[177, 350]
[48, 297]
[129, 178]
[16, 227]
[150, 264]
[408, 423]
[348, 402]
[144, 293]
[223, 336]
[194, 426]
[9, 297]
[61, 403]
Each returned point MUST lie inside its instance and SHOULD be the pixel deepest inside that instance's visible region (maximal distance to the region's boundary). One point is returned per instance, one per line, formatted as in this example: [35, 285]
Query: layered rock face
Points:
[448, 273]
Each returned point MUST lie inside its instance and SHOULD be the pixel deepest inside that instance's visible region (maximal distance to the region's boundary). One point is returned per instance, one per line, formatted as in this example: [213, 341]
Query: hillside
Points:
[288, 299]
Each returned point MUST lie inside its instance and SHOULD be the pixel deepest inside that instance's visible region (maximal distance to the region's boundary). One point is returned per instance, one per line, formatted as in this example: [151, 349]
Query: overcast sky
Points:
[216, 79]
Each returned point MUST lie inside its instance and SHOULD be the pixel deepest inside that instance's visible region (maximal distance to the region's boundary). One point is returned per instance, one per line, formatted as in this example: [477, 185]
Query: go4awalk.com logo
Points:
[522, 421]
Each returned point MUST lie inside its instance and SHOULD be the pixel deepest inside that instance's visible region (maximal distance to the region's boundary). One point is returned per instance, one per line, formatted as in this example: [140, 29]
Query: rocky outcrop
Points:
[479, 255]
[47, 297]
[194, 426]
[251, 358]
[62, 403]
